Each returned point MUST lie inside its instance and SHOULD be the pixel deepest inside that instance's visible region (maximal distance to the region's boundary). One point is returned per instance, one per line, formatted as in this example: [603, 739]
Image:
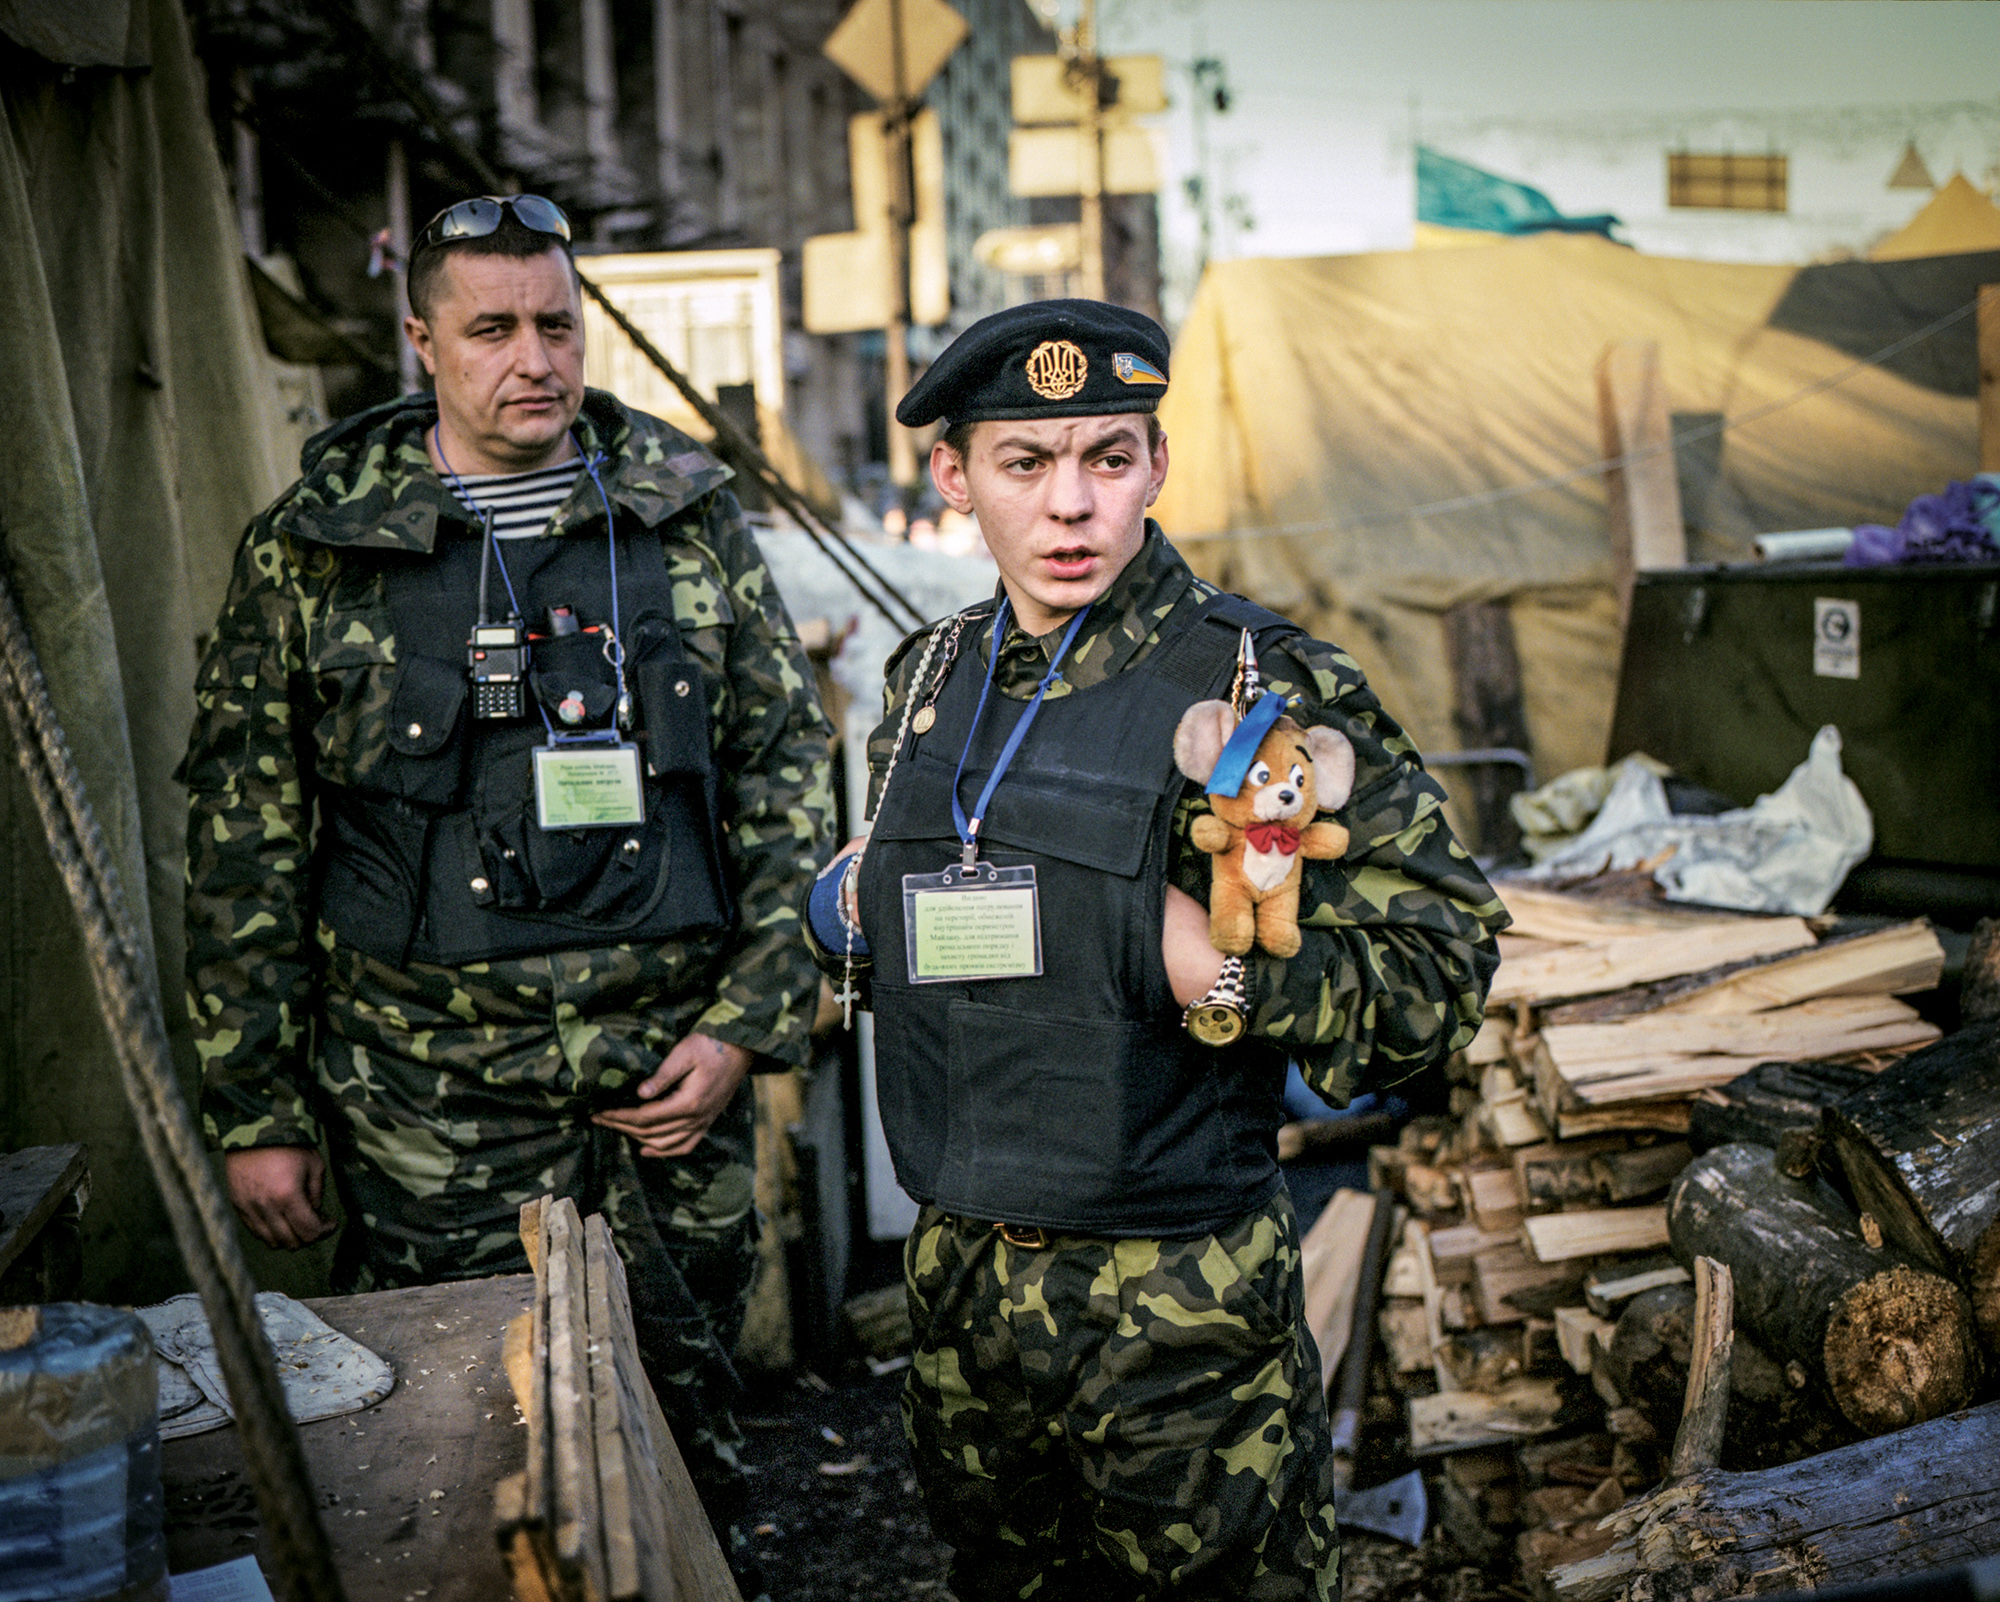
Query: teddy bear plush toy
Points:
[1262, 826]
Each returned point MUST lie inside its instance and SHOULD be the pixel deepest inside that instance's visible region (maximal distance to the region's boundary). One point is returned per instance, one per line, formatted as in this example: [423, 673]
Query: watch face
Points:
[1214, 1023]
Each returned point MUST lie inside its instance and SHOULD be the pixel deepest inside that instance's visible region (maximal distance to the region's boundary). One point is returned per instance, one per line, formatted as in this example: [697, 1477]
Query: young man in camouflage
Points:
[410, 941]
[1114, 1394]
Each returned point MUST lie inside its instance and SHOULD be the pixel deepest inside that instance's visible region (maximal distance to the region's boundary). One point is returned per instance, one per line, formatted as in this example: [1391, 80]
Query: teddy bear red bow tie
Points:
[1279, 837]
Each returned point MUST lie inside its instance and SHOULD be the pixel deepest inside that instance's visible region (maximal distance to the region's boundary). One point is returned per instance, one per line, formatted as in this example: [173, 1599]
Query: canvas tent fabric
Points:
[139, 430]
[1350, 437]
[1957, 218]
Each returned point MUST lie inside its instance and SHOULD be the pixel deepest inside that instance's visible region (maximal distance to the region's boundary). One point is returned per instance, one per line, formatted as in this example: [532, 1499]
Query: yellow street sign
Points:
[1033, 251]
[1044, 92]
[847, 275]
[1052, 161]
[861, 46]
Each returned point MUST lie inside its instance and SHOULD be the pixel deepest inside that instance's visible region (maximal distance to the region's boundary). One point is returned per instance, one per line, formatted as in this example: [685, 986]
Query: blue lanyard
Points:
[968, 828]
[614, 647]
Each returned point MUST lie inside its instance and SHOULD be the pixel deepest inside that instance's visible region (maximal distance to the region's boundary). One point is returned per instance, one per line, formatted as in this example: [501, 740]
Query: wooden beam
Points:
[1641, 491]
[1490, 713]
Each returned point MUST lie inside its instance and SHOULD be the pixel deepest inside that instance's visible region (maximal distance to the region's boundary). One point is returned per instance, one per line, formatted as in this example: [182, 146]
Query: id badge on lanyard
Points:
[588, 785]
[973, 919]
[985, 923]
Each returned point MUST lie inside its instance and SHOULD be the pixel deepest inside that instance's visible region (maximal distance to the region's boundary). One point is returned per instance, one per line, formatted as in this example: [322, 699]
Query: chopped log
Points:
[1559, 1237]
[1576, 1327]
[1895, 960]
[1451, 1421]
[1705, 1408]
[1616, 964]
[1979, 992]
[1920, 1146]
[1558, 1174]
[1666, 1115]
[1405, 1335]
[1774, 1101]
[1629, 1176]
[1895, 1343]
[1511, 1285]
[1646, 1358]
[1605, 1293]
[1922, 1498]
[1492, 1197]
[1541, 914]
[1648, 1057]
[1455, 1250]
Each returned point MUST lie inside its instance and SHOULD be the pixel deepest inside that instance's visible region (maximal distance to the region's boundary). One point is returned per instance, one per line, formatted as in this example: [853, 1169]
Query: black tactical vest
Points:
[1074, 1099]
[430, 847]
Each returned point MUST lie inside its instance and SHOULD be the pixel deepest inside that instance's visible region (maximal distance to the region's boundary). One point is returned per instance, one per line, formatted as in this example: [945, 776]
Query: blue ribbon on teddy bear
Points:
[1240, 750]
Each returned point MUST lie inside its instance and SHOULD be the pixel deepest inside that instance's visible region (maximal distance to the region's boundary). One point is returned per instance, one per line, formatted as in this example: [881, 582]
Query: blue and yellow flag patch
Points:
[1136, 369]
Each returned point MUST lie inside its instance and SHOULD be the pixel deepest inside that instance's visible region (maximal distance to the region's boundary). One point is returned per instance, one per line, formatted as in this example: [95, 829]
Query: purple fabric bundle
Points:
[1955, 526]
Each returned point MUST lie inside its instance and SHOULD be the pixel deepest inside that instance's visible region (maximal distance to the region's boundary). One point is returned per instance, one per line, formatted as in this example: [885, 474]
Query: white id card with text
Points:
[981, 924]
[588, 786]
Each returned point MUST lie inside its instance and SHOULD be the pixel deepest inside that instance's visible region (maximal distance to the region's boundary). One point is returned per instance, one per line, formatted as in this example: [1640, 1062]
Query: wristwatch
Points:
[1216, 1019]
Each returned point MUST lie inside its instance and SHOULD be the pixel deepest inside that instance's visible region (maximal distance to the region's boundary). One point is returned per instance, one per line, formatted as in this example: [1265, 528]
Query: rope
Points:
[202, 1224]
[1508, 492]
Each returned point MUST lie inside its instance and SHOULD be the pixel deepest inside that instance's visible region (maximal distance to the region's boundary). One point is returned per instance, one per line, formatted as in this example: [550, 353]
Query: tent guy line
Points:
[1508, 492]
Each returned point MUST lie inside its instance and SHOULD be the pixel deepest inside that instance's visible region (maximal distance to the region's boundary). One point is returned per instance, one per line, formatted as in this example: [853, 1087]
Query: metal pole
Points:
[896, 377]
[1091, 209]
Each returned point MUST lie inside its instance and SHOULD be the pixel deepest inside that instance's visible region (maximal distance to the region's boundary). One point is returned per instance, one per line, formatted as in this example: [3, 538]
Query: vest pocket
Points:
[1065, 1120]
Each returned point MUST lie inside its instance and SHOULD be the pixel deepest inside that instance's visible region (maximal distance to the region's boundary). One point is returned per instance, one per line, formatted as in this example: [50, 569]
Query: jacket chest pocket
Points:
[388, 723]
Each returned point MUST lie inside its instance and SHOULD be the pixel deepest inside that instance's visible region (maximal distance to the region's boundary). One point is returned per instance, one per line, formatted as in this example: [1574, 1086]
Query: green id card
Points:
[588, 786]
[986, 924]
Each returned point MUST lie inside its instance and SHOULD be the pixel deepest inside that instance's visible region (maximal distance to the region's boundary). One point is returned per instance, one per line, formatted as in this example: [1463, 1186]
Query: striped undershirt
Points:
[521, 503]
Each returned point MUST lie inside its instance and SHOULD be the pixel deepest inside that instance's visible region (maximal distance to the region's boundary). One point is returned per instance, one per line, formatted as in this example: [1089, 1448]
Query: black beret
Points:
[1049, 358]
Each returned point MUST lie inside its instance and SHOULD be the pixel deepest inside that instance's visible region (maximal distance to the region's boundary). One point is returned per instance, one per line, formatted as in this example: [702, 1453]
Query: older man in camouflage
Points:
[1114, 1394]
[507, 768]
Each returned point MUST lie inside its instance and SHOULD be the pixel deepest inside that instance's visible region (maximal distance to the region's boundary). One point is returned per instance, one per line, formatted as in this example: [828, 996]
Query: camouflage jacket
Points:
[276, 691]
[1399, 946]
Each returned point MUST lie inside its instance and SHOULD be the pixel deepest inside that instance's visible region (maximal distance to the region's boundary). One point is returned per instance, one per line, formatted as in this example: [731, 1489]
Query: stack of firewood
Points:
[1538, 1312]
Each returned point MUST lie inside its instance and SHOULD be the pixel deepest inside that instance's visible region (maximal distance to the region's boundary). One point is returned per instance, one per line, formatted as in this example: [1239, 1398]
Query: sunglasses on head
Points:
[480, 216]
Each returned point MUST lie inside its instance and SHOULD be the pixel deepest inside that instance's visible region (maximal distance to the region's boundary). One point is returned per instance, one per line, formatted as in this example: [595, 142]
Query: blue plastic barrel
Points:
[80, 1505]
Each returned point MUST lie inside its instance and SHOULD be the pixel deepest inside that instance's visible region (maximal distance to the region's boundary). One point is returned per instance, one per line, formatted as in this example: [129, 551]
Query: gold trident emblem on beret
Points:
[1056, 369]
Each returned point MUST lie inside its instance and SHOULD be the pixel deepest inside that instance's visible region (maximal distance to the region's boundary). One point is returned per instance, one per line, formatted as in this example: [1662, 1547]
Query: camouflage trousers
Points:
[452, 1095]
[1120, 1419]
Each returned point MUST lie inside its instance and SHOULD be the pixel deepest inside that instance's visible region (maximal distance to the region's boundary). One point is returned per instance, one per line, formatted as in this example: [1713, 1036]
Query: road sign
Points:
[1049, 248]
[1043, 91]
[1051, 161]
[847, 275]
[862, 45]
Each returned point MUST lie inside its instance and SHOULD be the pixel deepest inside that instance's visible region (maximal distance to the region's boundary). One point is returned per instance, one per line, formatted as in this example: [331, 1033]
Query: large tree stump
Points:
[1920, 1145]
[1923, 1498]
[1894, 1342]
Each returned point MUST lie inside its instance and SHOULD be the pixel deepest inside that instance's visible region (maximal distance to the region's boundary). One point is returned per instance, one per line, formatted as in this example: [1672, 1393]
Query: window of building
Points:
[1726, 183]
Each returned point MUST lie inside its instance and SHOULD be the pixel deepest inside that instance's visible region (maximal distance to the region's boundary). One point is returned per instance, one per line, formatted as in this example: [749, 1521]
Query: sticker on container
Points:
[1837, 639]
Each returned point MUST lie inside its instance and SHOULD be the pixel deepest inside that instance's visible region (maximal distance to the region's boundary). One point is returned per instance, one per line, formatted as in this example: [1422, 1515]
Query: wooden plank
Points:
[698, 1570]
[1641, 490]
[577, 1528]
[1562, 1237]
[1418, 1236]
[1617, 964]
[35, 1183]
[1330, 1265]
[627, 1557]
[1488, 713]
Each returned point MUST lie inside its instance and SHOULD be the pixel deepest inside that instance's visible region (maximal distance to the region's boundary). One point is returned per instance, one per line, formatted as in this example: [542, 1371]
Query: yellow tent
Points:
[1363, 442]
[1958, 218]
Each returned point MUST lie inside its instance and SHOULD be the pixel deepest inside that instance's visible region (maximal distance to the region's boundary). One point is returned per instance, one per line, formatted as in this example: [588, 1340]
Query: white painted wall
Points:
[1583, 98]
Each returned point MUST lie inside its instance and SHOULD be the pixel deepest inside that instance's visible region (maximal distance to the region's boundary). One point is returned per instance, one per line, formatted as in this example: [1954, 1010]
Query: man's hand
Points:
[684, 1095]
[1193, 964]
[276, 1192]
